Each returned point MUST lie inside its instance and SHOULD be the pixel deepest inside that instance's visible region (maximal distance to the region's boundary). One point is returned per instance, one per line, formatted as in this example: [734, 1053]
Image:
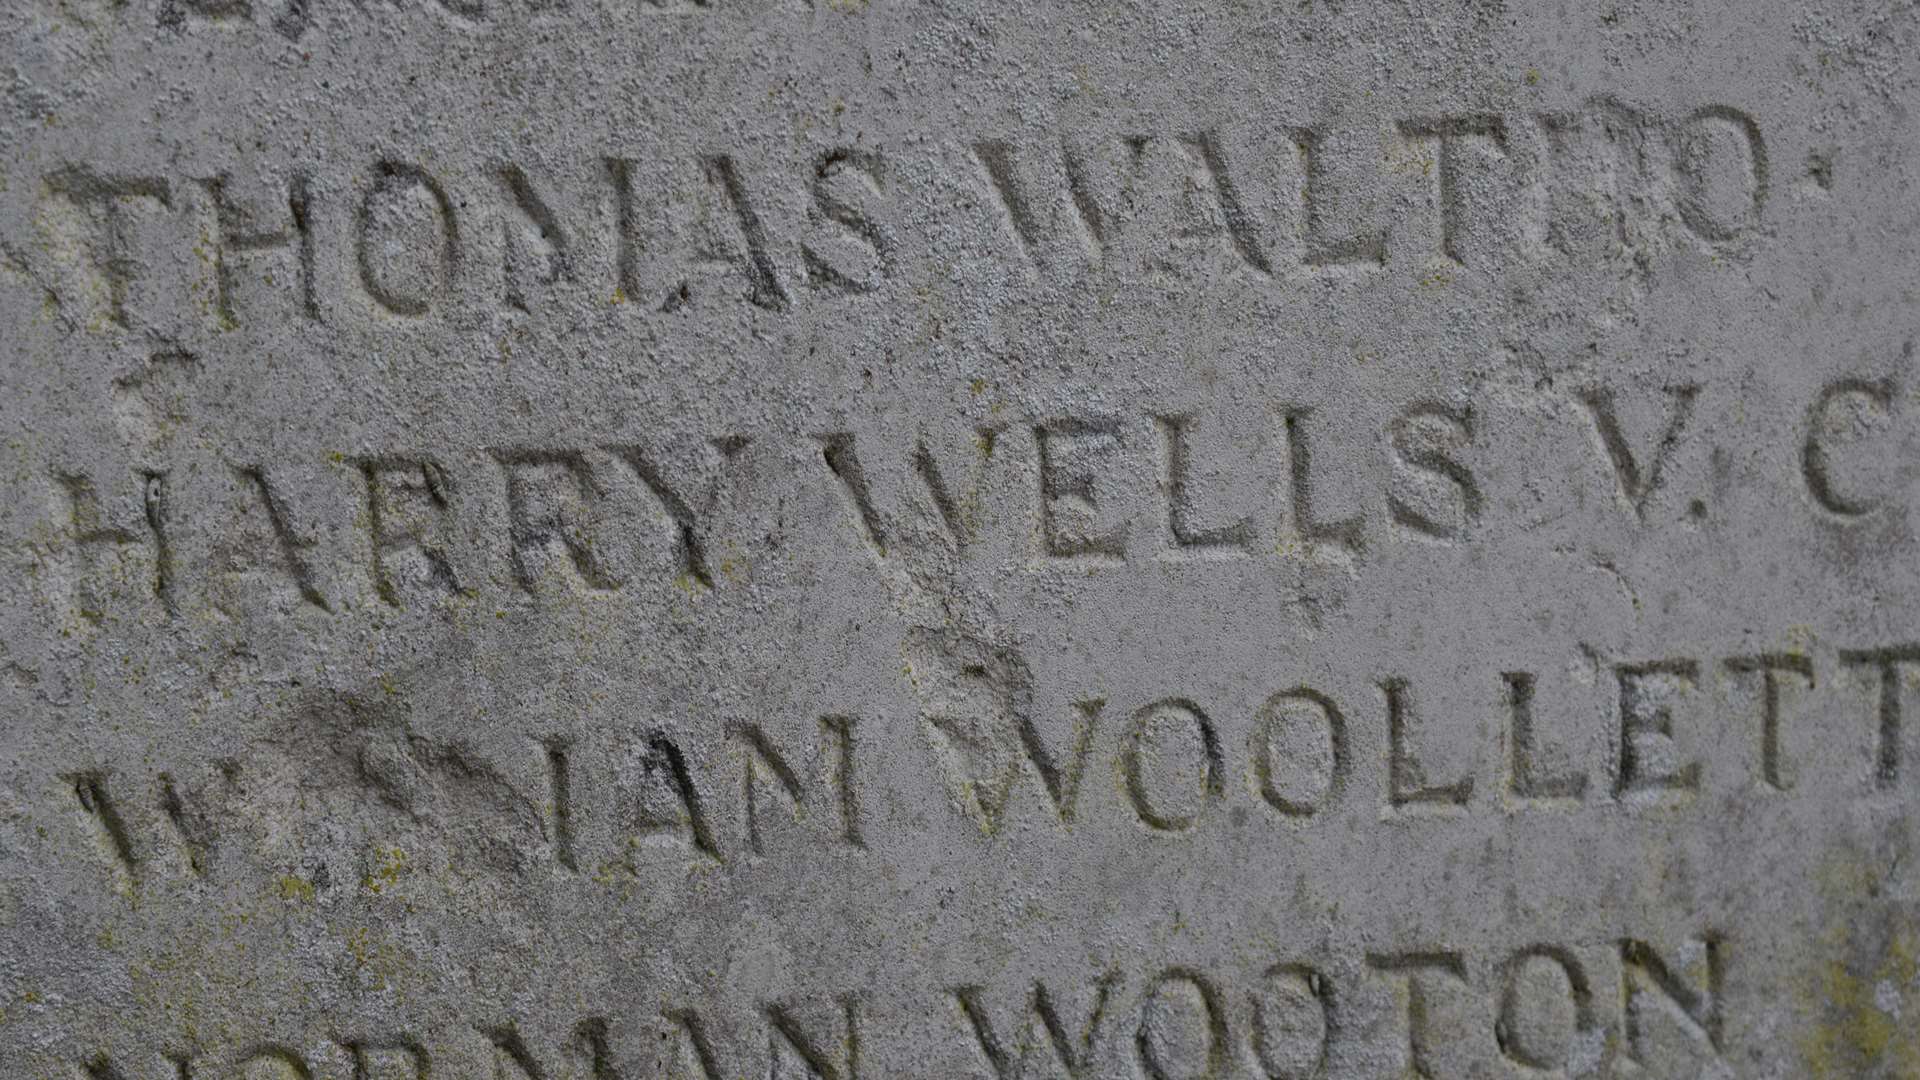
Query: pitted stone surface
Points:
[609, 539]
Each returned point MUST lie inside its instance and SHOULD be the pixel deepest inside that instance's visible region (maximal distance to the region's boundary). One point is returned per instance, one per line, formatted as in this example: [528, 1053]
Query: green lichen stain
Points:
[296, 889]
[390, 865]
[1866, 995]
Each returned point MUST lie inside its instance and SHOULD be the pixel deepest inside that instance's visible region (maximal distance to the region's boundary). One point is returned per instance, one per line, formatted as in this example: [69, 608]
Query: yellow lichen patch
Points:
[1865, 996]
[295, 889]
[1869, 1025]
[389, 866]
[379, 960]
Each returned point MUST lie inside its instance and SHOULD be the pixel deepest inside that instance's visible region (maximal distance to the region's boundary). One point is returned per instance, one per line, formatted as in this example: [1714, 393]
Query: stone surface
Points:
[608, 539]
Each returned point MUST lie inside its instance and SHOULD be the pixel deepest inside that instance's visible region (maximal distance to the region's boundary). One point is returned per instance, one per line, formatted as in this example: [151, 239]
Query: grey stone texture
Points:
[565, 539]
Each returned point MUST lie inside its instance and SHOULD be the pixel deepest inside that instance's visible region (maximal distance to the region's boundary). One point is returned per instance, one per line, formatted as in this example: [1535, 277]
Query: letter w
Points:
[1009, 1062]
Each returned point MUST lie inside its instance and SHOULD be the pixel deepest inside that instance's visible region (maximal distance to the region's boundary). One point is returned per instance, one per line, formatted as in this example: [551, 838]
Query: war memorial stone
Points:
[613, 539]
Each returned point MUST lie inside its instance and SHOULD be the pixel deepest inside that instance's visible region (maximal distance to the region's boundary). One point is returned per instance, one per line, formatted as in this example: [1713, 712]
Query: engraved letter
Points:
[837, 450]
[408, 514]
[1344, 533]
[1069, 510]
[785, 1028]
[1546, 1004]
[1083, 237]
[276, 1062]
[103, 199]
[1449, 190]
[560, 786]
[1294, 1019]
[546, 231]
[681, 513]
[1863, 396]
[1177, 997]
[1230, 537]
[1009, 1063]
[391, 204]
[1700, 1008]
[643, 263]
[1638, 480]
[1306, 773]
[236, 234]
[396, 1058]
[1213, 216]
[1523, 779]
[95, 542]
[839, 178]
[1709, 134]
[1421, 436]
[1368, 249]
[291, 549]
[1647, 748]
[982, 754]
[1153, 726]
[661, 798]
[1413, 969]
[756, 263]
[588, 1054]
[169, 1067]
[544, 490]
[765, 762]
[108, 827]
[1886, 766]
[1771, 666]
[1406, 780]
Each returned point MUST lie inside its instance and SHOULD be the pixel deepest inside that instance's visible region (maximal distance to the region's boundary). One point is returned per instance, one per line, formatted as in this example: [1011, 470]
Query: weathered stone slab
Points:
[610, 539]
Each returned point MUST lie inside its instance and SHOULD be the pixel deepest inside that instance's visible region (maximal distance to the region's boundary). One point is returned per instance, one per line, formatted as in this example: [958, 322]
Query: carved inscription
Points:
[1105, 490]
[411, 240]
[1582, 1007]
[619, 805]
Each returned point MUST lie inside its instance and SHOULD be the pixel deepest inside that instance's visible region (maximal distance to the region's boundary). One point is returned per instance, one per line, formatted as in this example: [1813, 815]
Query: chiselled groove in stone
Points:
[1206, 146]
[154, 504]
[1447, 132]
[1232, 537]
[1770, 667]
[103, 197]
[1407, 786]
[693, 556]
[291, 550]
[1347, 533]
[1318, 251]
[843, 461]
[811, 1051]
[1638, 479]
[762, 276]
[90, 790]
[184, 828]
[665, 759]
[1525, 779]
[1073, 1050]
[1416, 453]
[1890, 664]
[560, 261]
[1816, 466]
[560, 782]
[937, 490]
[238, 235]
[1700, 1005]
[695, 1031]
[392, 179]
